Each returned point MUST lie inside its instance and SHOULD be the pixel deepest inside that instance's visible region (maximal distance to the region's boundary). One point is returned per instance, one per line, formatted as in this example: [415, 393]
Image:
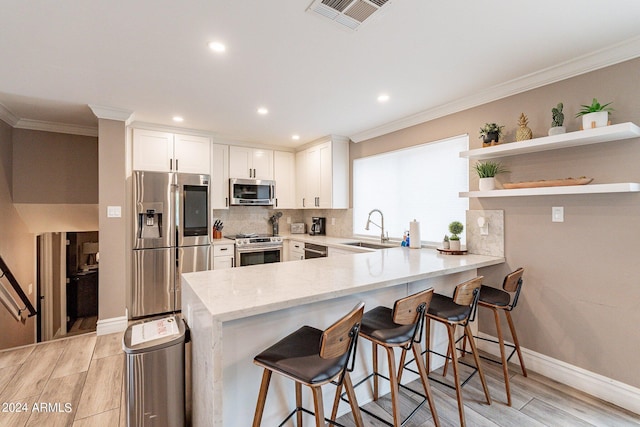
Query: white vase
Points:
[454, 245]
[600, 118]
[487, 184]
[557, 130]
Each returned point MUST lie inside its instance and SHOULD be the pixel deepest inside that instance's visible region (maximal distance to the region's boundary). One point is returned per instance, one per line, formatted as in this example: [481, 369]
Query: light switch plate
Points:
[114, 211]
[557, 214]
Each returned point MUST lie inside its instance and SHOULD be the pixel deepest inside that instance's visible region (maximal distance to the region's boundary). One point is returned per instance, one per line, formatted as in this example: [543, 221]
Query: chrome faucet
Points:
[383, 238]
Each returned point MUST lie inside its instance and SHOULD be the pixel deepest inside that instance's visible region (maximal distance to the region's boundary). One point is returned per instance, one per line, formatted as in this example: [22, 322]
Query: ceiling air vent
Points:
[348, 13]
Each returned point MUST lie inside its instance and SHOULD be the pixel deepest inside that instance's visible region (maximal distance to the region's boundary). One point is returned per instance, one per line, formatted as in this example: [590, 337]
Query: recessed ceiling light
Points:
[383, 98]
[295, 137]
[217, 47]
[263, 111]
[178, 119]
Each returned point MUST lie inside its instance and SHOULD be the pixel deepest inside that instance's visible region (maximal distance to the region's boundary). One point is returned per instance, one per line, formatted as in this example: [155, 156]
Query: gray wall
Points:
[581, 293]
[52, 167]
[17, 247]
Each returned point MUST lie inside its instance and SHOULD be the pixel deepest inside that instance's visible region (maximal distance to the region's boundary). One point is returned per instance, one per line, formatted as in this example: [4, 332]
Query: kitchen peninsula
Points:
[234, 314]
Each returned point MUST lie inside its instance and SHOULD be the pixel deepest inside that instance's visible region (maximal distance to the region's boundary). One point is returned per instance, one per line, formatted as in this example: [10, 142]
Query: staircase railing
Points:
[7, 299]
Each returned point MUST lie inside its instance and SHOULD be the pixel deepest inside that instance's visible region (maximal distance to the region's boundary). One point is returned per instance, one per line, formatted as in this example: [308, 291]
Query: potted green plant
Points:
[491, 133]
[455, 228]
[557, 120]
[595, 115]
[486, 172]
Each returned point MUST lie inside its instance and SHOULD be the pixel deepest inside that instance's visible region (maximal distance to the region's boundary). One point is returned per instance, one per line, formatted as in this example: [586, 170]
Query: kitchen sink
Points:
[367, 245]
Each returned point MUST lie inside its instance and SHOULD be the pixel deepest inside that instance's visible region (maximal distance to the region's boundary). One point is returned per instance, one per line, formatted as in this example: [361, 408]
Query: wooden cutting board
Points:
[548, 183]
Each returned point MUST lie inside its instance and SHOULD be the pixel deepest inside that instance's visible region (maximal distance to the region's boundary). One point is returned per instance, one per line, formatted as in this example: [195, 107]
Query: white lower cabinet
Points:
[223, 256]
[296, 250]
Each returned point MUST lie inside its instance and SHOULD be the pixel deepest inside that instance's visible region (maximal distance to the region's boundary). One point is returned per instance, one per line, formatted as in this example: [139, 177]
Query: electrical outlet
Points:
[114, 211]
[30, 288]
[557, 214]
[288, 220]
[333, 221]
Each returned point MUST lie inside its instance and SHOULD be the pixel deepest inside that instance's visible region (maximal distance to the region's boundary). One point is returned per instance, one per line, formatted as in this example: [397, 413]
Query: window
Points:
[420, 182]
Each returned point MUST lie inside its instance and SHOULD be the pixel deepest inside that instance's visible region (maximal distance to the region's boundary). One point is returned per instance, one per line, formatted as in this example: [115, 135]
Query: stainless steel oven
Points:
[254, 250]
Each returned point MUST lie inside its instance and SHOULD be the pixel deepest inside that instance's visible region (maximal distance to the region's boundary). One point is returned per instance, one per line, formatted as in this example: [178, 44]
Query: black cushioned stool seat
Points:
[501, 300]
[444, 307]
[313, 358]
[398, 327]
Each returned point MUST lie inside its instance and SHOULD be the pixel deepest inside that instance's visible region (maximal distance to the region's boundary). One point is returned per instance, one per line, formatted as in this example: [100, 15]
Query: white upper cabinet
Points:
[284, 173]
[247, 162]
[322, 175]
[168, 152]
[219, 176]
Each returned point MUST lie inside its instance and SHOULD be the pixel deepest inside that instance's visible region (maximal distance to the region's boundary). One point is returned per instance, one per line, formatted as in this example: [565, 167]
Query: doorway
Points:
[67, 284]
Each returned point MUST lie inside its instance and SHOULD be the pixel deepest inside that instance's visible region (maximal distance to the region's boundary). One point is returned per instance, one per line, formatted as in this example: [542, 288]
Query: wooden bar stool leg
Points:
[417, 351]
[351, 393]
[336, 401]
[374, 352]
[467, 330]
[427, 343]
[262, 397]
[456, 376]
[403, 357]
[503, 355]
[318, 406]
[299, 403]
[515, 341]
[393, 379]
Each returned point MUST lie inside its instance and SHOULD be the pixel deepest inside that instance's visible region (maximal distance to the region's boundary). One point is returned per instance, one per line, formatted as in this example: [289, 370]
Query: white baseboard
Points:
[112, 325]
[597, 385]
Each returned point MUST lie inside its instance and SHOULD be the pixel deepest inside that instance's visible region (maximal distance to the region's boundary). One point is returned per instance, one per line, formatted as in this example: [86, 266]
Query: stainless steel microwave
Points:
[252, 192]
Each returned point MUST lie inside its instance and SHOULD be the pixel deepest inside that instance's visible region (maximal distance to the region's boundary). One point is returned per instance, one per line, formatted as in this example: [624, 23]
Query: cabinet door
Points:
[301, 179]
[152, 150]
[262, 163]
[296, 250]
[284, 175]
[325, 171]
[240, 162]
[191, 154]
[313, 177]
[219, 176]
[222, 262]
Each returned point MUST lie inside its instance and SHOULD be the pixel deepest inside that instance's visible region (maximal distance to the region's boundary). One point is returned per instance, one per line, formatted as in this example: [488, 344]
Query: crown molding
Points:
[7, 116]
[615, 54]
[112, 113]
[56, 127]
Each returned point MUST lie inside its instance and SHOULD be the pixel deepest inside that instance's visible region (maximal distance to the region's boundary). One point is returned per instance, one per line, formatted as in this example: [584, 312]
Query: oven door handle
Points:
[314, 251]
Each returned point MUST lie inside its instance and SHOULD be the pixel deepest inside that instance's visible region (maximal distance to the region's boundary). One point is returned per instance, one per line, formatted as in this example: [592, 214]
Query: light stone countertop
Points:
[246, 291]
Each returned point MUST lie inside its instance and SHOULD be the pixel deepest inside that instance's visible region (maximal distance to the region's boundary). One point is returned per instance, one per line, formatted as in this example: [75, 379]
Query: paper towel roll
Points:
[414, 234]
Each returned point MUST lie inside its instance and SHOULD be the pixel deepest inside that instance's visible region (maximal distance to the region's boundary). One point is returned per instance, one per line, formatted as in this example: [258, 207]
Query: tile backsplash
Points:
[255, 219]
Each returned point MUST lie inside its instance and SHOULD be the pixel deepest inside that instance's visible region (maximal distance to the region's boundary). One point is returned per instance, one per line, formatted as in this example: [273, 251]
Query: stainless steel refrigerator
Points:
[171, 226]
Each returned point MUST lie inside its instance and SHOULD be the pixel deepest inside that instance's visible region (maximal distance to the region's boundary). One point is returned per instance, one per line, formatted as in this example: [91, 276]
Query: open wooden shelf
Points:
[624, 187]
[571, 139]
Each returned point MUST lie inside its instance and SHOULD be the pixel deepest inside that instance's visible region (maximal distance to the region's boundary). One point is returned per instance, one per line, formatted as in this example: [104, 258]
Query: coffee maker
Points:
[318, 225]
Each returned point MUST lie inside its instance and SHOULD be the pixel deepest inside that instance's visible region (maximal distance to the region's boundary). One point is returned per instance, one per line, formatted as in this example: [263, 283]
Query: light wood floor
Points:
[86, 373]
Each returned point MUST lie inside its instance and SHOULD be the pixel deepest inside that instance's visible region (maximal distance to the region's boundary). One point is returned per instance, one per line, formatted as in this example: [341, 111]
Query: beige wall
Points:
[113, 231]
[17, 247]
[581, 293]
[56, 168]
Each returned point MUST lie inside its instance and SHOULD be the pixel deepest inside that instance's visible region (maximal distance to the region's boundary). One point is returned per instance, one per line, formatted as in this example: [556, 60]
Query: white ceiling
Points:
[431, 57]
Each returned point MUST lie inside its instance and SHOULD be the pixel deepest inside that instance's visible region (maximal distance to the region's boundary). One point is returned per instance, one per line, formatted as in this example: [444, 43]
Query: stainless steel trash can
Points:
[155, 370]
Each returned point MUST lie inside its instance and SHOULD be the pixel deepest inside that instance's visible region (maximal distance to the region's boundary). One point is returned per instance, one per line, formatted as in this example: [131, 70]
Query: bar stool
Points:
[455, 311]
[313, 357]
[400, 327]
[500, 299]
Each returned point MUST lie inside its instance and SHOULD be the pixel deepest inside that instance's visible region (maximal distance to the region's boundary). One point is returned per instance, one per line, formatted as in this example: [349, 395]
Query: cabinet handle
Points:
[224, 249]
[176, 164]
[276, 203]
[303, 203]
[226, 201]
[170, 164]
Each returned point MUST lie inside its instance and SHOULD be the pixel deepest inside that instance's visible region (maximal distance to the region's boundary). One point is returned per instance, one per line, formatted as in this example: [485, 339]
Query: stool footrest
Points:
[313, 414]
[362, 409]
[506, 344]
[462, 362]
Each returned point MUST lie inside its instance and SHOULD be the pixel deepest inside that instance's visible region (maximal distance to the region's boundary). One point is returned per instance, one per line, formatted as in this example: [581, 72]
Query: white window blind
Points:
[420, 182]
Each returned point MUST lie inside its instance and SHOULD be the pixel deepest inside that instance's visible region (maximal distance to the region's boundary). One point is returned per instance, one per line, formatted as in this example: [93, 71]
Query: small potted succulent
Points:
[557, 120]
[486, 172]
[490, 133]
[455, 228]
[595, 115]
